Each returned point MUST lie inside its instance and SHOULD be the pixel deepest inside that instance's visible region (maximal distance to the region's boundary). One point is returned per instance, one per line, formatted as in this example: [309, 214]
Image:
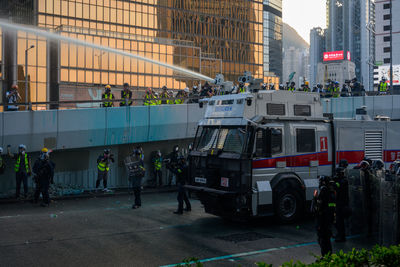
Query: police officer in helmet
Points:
[342, 200]
[323, 207]
[44, 175]
[181, 172]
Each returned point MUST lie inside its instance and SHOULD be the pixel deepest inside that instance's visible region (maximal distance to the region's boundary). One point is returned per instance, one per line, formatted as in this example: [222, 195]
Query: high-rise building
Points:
[382, 38]
[209, 37]
[272, 25]
[350, 27]
[317, 49]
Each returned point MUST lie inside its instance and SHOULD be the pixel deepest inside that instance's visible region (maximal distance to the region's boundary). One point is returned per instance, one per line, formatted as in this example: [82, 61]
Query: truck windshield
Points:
[225, 139]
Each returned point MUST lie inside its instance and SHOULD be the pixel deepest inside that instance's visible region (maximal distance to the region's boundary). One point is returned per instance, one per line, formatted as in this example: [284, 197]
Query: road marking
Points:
[251, 253]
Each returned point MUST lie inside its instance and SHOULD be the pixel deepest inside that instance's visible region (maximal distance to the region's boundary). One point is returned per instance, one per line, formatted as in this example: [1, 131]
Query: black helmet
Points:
[126, 84]
[106, 151]
[323, 180]
[343, 163]
[368, 160]
[378, 164]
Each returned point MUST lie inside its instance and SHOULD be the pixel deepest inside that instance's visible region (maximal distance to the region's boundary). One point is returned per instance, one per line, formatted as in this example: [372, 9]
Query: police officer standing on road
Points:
[44, 175]
[323, 207]
[181, 172]
[342, 200]
[22, 168]
[173, 161]
[107, 96]
[126, 95]
[103, 167]
[137, 176]
[157, 165]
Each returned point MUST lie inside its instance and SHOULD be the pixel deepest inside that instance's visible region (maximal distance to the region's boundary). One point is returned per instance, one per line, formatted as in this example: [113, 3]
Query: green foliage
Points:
[189, 262]
[379, 256]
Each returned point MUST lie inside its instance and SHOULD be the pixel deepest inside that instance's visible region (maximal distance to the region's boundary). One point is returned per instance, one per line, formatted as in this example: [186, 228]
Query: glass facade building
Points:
[209, 37]
[272, 27]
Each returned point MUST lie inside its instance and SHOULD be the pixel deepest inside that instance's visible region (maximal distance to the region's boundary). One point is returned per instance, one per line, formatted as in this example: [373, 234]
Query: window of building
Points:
[305, 140]
[386, 38]
[386, 28]
[386, 6]
[386, 17]
[386, 49]
[386, 60]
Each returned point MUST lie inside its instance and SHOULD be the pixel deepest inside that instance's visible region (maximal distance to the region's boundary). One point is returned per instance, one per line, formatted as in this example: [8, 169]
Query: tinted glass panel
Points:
[305, 140]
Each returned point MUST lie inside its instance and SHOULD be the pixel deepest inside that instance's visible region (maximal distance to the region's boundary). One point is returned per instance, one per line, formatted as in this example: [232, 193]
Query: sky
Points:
[303, 15]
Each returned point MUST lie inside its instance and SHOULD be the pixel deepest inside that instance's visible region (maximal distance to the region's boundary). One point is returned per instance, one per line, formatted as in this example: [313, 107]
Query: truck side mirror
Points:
[249, 102]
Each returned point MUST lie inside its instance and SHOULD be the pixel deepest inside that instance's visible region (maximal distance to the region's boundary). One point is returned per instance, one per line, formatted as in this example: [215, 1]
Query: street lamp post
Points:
[26, 73]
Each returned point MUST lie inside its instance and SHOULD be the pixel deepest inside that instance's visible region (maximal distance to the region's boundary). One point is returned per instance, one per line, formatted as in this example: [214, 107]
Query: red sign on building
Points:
[334, 55]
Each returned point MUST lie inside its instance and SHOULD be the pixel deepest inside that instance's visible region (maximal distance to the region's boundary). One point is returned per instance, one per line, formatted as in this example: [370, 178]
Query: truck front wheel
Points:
[288, 205]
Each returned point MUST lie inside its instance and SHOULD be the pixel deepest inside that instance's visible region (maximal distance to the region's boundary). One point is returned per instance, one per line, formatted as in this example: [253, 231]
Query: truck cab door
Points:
[305, 157]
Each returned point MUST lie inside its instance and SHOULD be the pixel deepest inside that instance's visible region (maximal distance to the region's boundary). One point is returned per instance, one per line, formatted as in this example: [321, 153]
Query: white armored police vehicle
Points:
[260, 154]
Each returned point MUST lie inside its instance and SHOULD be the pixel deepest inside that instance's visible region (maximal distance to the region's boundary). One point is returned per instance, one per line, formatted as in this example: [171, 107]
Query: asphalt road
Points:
[107, 232]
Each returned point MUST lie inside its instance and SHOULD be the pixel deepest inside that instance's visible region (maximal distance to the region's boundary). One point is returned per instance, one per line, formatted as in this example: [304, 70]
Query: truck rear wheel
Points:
[288, 205]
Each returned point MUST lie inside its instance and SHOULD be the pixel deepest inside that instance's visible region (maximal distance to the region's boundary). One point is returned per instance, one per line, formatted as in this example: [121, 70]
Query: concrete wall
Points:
[84, 128]
[345, 107]
[79, 136]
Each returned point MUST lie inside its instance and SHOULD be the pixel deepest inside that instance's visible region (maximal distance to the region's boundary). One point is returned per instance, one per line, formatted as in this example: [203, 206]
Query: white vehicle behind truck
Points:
[260, 154]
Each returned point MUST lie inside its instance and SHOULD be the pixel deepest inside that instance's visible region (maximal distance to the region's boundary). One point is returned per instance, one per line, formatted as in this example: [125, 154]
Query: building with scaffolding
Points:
[208, 37]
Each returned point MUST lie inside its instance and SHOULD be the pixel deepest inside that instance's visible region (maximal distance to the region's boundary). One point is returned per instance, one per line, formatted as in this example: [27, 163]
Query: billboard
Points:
[336, 55]
[384, 72]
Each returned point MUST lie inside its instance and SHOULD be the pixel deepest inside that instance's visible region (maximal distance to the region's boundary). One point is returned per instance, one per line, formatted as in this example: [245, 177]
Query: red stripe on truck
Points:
[352, 156]
[391, 155]
[293, 161]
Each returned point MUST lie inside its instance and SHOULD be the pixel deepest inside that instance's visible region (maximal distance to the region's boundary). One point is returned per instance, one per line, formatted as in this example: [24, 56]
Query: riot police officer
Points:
[323, 207]
[181, 171]
[44, 173]
[342, 202]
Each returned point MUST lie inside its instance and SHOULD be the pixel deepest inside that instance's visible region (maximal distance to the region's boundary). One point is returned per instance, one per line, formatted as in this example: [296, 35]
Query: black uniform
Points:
[342, 204]
[136, 180]
[324, 209]
[44, 174]
[173, 162]
[181, 178]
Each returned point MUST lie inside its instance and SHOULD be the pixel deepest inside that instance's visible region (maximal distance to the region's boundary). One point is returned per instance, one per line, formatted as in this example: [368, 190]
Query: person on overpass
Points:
[22, 169]
[335, 89]
[292, 87]
[44, 175]
[126, 95]
[181, 172]
[383, 86]
[107, 96]
[12, 97]
[103, 167]
[149, 98]
[164, 96]
[242, 88]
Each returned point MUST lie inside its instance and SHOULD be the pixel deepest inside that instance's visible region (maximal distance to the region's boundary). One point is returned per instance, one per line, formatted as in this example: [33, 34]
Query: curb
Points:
[90, 194]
